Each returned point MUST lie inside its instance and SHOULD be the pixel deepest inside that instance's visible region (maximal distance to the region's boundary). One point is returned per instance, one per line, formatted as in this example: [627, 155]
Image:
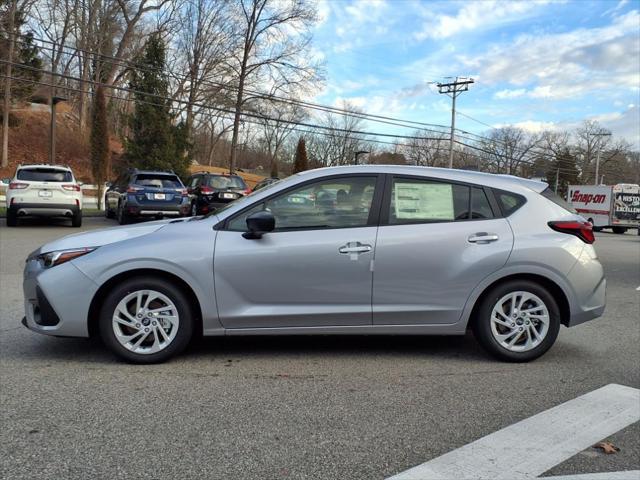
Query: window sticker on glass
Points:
[420, 201]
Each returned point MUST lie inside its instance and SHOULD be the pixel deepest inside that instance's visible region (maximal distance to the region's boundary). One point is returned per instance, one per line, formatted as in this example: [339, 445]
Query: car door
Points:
[313, 270]
[437, 240]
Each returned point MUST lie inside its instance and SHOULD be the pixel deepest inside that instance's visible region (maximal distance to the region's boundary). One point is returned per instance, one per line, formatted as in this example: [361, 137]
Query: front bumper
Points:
[57, 299]
[45, 209]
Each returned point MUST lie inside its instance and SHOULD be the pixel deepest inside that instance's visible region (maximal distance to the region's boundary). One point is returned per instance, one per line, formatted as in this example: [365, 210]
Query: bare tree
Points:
[593, 140]
[506, 149]
[273, 36]
[427, 148]
[277, 125]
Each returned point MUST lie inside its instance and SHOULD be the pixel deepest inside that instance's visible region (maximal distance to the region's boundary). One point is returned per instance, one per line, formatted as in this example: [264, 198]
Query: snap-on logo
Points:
[587, 198]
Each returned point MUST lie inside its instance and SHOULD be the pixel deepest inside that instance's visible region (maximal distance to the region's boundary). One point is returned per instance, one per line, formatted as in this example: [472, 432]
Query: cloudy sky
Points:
[537, 64]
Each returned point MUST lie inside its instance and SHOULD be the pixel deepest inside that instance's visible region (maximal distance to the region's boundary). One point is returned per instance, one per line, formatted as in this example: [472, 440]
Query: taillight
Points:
[582, 230]
[72, 188]
[206, 190]
[182, 191]
[247, 191]
[17, 185]
[134, 189]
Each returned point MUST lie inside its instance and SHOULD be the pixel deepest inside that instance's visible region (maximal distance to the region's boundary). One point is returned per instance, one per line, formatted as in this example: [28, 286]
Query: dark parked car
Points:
[210, 191]
[266, 182]
[142, 193]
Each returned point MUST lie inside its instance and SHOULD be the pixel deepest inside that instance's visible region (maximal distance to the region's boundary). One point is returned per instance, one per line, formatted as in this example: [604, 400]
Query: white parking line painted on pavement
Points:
[627, 475]
[532, 446]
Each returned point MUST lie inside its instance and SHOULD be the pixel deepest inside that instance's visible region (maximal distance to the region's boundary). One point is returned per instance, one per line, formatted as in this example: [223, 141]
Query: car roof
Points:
[151, 172]
[44, 165]
[468, 176]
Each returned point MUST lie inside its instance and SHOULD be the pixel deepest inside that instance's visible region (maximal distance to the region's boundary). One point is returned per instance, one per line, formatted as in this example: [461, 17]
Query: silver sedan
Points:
[345, 250]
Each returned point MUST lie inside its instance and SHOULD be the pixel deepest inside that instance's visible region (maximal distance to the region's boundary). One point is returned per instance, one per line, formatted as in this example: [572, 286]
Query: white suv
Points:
[44, 190]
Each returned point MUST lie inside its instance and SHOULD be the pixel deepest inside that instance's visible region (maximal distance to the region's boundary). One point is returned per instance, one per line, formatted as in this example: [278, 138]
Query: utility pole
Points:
[601, 134]
[453, 89]
[7, 85]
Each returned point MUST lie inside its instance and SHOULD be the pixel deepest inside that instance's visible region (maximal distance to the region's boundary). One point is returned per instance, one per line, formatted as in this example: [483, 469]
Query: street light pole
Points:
[601, 134]
[52, 135]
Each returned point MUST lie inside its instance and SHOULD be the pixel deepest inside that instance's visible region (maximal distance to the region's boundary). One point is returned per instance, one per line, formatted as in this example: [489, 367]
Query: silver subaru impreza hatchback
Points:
[344, 250]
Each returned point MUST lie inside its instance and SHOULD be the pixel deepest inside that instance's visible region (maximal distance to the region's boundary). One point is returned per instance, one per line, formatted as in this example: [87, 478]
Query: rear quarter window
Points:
[508, 202]
[44, 175]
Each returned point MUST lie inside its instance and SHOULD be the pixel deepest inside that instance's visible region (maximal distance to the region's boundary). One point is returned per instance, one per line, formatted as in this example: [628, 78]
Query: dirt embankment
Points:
[29, 140]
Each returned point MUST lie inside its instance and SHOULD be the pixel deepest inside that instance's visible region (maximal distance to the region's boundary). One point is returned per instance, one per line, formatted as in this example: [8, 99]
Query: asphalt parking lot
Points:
[300, 408]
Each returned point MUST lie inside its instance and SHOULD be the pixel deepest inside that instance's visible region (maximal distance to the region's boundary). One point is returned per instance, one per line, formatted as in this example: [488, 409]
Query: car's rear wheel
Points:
[146, 320]
[123, 218]
[194, 209]
[76, 220]
[517, 321]
[619, 230]
[12, 218]
[108, 213]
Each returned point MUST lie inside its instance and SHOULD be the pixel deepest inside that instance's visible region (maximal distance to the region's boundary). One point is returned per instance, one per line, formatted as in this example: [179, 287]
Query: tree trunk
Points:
[7, 87]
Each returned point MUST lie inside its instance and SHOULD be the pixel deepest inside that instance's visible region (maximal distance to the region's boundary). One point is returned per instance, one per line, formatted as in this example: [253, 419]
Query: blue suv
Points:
[146, 194]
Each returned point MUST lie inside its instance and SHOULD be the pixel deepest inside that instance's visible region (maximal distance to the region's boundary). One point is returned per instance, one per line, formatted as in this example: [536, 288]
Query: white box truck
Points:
[616, 207]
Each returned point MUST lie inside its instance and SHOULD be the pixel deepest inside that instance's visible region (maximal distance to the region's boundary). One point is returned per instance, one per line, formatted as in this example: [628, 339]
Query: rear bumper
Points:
[150, 210]
[45, 209]
[590, 288]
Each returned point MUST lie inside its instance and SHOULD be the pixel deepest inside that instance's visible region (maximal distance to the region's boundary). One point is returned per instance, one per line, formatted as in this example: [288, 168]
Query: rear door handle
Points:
[354, 247]
[483, 237]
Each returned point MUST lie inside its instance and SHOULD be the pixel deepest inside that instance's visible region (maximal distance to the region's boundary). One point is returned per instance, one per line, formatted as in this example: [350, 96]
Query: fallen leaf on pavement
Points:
[607, 447]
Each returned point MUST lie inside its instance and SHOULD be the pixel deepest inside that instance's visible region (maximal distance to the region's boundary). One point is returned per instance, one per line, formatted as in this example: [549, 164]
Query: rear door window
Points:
[423, 201]
[480, 206]
[44, 175]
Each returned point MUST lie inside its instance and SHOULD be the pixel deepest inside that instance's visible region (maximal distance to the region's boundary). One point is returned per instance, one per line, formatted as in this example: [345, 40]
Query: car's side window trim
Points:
[386, 201]
[374, 212]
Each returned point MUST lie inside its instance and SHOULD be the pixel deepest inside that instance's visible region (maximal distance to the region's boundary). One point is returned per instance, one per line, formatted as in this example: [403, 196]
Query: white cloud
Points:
[475, 16]
[569, 64]
[509, 94]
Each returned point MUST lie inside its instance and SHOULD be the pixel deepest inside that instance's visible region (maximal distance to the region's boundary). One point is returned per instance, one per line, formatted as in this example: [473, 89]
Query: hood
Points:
[98, 238]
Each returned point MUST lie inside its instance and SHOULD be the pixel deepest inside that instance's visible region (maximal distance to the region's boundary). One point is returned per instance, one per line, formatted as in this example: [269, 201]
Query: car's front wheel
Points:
[146, 320]
[517, 321]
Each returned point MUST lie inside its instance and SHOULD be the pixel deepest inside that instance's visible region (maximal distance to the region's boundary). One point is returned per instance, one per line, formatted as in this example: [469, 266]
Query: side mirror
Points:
[258, 224]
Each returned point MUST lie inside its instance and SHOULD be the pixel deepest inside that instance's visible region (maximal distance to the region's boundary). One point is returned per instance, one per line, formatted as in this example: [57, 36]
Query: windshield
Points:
[158, 181]
[241, 201]
[227, 182]
[44, 175]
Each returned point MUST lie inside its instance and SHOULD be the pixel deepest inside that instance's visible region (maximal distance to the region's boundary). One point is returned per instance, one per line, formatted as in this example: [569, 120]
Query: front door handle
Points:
[483, 237]
[353, 249]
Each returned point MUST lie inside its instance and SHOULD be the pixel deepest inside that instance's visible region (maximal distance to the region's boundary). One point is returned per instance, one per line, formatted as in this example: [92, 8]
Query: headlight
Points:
[59, 257]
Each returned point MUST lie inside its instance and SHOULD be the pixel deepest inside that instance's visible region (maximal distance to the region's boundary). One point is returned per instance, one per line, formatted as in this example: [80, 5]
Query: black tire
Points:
[108, 213]
[619, 230]
[595, 229]
[482, 321]
[76, 220]
[179, 299]
[123, 218]
[193, 212]
[12, 218]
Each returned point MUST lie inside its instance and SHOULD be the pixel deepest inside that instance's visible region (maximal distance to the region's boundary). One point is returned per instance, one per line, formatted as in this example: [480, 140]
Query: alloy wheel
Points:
[145, 321]
[520, 321]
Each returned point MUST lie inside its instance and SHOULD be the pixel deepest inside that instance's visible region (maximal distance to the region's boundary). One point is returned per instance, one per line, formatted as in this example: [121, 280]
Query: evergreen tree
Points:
[24, 53]
[564, 168]
[301, 163]
[99, 140]
[154, 143]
